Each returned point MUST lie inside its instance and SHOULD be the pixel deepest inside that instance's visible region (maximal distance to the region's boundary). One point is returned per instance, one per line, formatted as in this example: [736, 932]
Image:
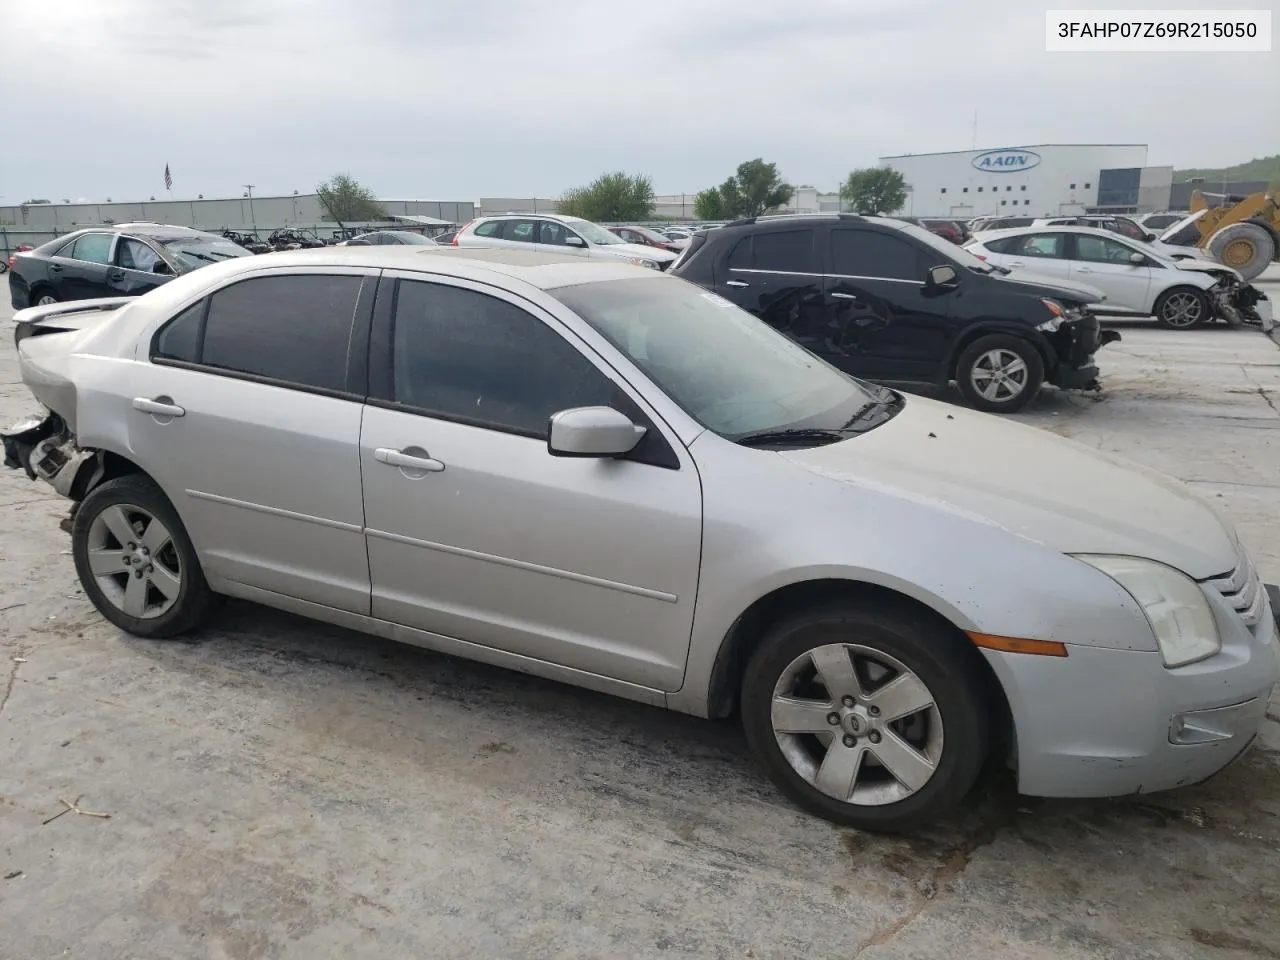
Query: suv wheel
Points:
[870, 718]
[135, 560]
[999, 373]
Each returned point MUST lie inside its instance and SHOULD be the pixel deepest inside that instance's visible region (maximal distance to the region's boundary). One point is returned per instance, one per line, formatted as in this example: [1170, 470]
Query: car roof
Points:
[1053, 228]
[563, 218]
[542, 270]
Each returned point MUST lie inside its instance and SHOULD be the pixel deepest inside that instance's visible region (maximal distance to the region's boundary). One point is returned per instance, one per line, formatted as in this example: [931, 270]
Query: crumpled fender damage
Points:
[44, 449]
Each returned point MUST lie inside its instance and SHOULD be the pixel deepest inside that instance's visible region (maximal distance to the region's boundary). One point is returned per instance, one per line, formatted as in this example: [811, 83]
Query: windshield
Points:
[408, 236]
[949, 251]
[732, 373]
[593, 233]
[194, 252]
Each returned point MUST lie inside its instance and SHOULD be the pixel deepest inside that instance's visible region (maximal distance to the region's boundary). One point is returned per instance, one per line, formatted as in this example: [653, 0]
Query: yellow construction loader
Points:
[1240, 232]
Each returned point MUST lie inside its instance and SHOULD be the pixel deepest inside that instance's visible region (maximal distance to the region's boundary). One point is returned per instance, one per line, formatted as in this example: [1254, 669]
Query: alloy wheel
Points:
[999, 375]
[857, 724]
[1182, 309]
[134, 560]
[45, 300]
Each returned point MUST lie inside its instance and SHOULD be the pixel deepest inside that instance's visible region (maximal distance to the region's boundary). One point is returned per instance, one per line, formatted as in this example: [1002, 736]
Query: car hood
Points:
[1032, 483]
[1047, 286]
[1200, 265]
[626, 251]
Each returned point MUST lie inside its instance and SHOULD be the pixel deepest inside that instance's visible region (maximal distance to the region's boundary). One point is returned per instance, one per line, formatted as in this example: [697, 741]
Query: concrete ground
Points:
[278, 788]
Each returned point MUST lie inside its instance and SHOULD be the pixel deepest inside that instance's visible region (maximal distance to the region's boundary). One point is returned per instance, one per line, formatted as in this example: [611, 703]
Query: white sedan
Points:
[1138, 279]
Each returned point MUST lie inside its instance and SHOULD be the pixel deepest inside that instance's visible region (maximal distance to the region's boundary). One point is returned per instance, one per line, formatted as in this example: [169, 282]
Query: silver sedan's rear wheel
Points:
[135, 560]
[873, 717]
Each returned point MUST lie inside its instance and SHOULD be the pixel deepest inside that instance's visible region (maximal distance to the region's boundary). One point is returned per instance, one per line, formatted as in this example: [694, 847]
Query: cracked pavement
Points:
[285, 789]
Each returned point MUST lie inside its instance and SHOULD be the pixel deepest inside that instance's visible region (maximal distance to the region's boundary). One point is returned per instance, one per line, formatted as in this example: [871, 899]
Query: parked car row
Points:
[552, 460]
[556, 233]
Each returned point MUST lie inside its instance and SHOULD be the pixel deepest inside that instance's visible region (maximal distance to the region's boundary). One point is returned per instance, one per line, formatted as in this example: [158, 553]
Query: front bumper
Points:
[1102, 722]
[1074, 345]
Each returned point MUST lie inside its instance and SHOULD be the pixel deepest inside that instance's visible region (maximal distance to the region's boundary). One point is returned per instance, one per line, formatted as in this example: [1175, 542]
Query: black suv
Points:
[887, 300]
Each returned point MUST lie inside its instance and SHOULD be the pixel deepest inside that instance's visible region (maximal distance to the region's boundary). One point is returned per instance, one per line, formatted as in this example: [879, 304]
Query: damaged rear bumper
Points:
[44, 449]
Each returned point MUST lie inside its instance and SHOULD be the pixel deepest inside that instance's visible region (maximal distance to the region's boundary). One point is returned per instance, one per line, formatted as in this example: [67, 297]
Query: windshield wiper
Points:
[806, 435]
[198, 256]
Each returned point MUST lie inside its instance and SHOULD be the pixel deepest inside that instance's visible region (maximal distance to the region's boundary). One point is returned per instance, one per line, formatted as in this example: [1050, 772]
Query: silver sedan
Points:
[596, 473]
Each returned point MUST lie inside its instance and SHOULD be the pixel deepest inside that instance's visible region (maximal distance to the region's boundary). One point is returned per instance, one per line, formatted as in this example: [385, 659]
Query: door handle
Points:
[158, 408]
[1017, 263]
[54, 268]
[845, 296]
[736, 283]
[1083, 270]
[395, 458]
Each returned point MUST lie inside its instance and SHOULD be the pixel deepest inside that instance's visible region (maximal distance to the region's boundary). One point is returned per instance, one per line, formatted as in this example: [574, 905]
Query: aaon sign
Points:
[1006, 161]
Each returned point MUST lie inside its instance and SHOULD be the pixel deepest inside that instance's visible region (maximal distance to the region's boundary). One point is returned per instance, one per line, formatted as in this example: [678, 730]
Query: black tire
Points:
[194, 598]
[977, 354]
[929, 649]
[1169, 313]
[1247, 247]
[37, 293]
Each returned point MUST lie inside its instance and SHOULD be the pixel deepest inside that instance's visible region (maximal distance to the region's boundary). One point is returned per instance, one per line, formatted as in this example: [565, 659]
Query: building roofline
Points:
[1029, 146]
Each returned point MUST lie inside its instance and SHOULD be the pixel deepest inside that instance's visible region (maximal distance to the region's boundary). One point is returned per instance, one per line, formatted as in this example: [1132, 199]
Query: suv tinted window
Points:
[92, 248]
[472, 357]
[789, 251]
[491, 228]
[295, 329]
[868, 253]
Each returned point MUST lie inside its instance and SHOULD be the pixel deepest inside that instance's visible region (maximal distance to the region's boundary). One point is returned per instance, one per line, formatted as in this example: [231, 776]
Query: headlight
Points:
[642, 262]
[1174, 605]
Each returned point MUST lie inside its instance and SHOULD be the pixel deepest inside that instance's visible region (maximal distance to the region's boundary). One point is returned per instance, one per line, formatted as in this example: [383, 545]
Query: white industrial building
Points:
[1036, 180]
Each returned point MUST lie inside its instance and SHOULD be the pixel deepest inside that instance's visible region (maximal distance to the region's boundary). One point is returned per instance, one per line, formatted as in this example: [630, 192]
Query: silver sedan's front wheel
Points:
[1182, 308]
[857, 724]
[870, 716]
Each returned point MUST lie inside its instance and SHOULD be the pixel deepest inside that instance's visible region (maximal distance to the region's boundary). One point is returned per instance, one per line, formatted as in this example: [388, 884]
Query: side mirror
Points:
[592, 432]
[1149, 237]
[574, 241]
[1137, 259]
[943, 275]
[160, 267]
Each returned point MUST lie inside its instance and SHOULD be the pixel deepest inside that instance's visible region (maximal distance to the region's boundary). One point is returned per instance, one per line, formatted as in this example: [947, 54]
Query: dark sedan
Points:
[121, 261]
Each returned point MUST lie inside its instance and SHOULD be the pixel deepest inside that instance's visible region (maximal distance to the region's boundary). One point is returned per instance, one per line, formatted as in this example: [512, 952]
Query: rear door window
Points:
[292, 329]
[491, 228]
[783, 251]
[91, 248]
[521, 231]
[873, 254]
[1050, 246]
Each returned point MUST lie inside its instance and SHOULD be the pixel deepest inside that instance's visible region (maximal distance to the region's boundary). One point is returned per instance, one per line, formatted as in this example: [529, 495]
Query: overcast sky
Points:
[469, 98]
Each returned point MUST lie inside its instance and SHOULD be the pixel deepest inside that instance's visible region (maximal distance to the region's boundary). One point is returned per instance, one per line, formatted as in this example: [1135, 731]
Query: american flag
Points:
[168, 178]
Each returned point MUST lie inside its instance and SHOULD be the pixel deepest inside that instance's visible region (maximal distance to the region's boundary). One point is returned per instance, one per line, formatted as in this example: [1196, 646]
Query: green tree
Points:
[709, 205]
[610, 198]
[874, 190]
[345, 199]
[755, 188]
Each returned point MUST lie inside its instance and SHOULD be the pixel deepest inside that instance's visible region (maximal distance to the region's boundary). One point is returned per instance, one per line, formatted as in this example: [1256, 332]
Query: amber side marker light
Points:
[1040, 648]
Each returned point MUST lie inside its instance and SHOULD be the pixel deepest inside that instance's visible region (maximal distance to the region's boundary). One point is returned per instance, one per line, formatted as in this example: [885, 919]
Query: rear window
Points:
[781, 251]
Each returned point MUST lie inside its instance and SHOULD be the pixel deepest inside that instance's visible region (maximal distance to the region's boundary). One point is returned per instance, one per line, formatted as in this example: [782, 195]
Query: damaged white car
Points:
[1138, 279]
[601, 474]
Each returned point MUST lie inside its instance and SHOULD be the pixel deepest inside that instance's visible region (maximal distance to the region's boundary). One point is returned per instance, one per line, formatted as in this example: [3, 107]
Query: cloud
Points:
[496, 97]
